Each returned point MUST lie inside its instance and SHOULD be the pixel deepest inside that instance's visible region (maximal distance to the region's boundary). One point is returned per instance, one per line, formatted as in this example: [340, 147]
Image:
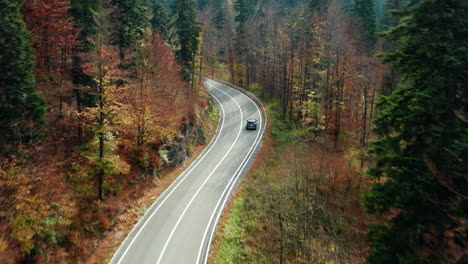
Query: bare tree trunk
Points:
[339, 99]
[76, 77]
[101, 172]
[101, 122]
[231, 63]
[101, 147]
[280, 220]
[371, 114]
[364, 125]
[285, 92]
[79, 109]
[291, 81]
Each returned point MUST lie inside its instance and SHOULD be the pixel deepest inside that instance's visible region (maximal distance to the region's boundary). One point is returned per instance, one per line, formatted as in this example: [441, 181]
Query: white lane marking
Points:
[229, 186]
[180, 182]
[201, 186]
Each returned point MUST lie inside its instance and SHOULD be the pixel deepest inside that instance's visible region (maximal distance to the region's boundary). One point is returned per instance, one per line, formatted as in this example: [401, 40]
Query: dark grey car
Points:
[251, 124]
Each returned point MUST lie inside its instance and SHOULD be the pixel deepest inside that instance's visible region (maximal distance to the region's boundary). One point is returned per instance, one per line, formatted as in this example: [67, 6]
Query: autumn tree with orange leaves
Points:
[123, 92]
[54, 39]
[155, 92]
[109, 91]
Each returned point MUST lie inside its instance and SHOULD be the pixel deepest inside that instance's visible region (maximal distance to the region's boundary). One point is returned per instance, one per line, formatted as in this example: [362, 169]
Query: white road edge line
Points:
[203, 184]
[230, 186]
[180, 182]
[225, 193]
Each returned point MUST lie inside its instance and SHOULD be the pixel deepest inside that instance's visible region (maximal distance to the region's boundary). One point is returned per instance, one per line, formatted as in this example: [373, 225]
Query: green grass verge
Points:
[231, 248]
[214, 115]
[242, 223]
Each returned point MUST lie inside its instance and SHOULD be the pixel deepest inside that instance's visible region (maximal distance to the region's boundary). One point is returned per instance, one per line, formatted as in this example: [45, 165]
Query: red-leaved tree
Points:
[54, 38]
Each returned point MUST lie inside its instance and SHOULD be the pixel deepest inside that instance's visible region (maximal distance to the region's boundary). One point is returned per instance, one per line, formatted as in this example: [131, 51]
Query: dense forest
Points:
[365, 159]
[87, 97]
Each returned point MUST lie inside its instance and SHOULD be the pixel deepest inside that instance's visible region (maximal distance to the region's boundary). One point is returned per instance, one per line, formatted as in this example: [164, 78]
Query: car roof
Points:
[251, 120]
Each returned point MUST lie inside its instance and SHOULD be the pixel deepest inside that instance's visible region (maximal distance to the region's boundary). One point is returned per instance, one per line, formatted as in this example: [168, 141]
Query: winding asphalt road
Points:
[179, 227]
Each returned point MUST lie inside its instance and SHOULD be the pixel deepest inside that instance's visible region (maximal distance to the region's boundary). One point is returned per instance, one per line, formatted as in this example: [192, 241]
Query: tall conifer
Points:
[131, 18]
[365, 11]
[84, 12]
[422, 153]
[389, 19]
[22, 108]
[219, 18]
[160, 20]
[187, 31]
[243, 12]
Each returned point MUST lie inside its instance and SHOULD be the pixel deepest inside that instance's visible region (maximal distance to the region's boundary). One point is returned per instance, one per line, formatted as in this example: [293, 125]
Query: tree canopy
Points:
[22, 108]
[187, 30]
[421, 166]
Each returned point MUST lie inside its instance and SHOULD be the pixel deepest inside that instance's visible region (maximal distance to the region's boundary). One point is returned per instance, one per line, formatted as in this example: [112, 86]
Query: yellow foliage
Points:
[31, 212]
[3, 246]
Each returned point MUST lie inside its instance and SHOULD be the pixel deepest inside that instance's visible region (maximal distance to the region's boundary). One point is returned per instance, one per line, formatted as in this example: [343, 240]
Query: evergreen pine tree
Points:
[84, 12]
[365, 11]
[201, 4]
[379, 9]
[389, 19]
[422, 153]
[22, 108]
[316, 5]
[243, 12]
[132, 17]
[187, 31]
[219, 21]
[160, 17]
[219, 7]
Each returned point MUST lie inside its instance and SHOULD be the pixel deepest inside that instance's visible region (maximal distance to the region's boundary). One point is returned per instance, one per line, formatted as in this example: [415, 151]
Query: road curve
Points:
[179, 227]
